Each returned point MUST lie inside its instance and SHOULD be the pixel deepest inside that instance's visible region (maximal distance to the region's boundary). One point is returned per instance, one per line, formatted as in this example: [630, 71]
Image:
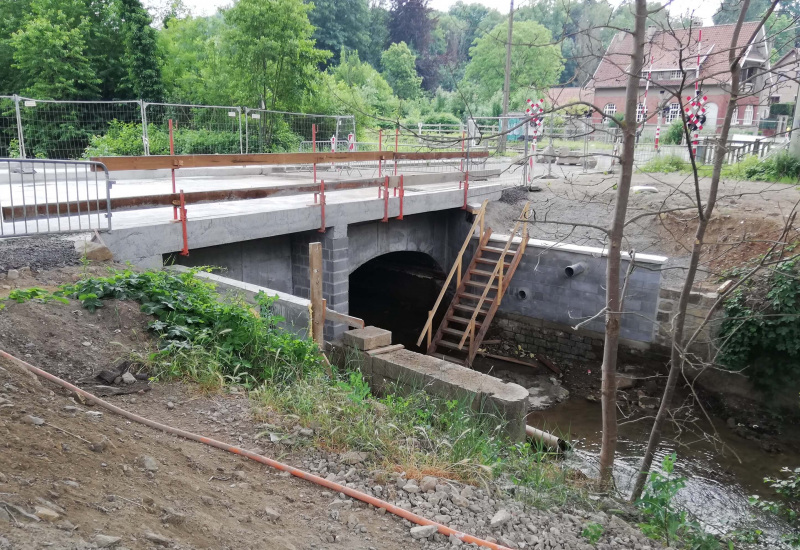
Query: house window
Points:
[676, 75]
[748, 115]
[610, 109]
[644, 74]
[674, 112]
[735, 117]
[641, 112]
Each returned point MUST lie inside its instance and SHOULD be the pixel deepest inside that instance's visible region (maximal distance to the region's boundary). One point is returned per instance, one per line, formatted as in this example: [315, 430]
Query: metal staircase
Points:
[478, 294]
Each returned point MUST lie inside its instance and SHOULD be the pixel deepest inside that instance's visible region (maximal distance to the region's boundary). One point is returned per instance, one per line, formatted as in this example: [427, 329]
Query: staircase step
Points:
[491, 262]
[480, 272]
[462, 320]
[470, 308]
[475, 297]
[481, 284]
[509, 252]
[453, 331]
[452, 345]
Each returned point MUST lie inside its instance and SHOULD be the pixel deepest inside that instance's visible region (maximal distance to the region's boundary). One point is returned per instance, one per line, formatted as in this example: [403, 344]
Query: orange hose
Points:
[378, 503]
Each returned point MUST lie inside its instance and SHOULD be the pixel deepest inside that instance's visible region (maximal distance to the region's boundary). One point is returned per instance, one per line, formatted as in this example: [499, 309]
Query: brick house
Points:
[674, 54]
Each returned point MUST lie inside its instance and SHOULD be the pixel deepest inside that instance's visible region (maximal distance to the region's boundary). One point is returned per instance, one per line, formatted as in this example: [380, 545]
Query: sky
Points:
[704, 9]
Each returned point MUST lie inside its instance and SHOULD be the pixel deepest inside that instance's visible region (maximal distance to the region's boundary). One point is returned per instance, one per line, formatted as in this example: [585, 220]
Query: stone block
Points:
[367, 338]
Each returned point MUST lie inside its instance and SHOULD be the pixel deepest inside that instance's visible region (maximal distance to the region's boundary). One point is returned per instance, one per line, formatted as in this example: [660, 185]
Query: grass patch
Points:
[780, 168]
[419, 434]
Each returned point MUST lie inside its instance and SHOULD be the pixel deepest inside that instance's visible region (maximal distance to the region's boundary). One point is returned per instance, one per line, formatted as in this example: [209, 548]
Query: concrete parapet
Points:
[408, 371]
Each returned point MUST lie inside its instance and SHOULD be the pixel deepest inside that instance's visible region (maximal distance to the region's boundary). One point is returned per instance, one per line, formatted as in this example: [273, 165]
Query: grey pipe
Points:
[547, 439]
[575, 269]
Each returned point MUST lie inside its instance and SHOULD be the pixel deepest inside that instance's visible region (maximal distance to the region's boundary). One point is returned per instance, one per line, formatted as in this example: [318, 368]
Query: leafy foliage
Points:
[592, 532]
[35, 294]
[674, 133]
[762, 328]
[202, 336]
[272, 51]
[341, 24]
[787, 487]
[399, 69]
[534, 63]
[663, 520]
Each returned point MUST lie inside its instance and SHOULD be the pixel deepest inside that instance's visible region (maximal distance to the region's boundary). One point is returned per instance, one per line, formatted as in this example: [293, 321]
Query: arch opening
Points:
[394, 292]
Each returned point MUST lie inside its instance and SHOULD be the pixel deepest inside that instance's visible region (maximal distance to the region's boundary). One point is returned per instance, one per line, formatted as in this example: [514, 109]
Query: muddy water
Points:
[719, 480]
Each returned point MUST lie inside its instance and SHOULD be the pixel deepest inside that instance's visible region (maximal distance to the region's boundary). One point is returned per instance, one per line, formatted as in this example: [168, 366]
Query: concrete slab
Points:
[367, 338]
[407, 372]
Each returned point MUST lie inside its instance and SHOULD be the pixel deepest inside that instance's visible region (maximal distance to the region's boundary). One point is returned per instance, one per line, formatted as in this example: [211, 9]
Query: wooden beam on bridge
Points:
[157, 162]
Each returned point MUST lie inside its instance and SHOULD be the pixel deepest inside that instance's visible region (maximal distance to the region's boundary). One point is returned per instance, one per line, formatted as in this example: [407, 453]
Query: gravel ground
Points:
[38, 253]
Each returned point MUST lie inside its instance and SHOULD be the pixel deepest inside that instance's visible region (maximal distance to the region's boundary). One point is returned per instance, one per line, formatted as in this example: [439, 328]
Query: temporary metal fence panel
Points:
[79, 129]
[9, 130]
[197, 129]
[282, 132]
[40, 196]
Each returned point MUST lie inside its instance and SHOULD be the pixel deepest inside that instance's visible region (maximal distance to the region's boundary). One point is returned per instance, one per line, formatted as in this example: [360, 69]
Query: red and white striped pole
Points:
[533, 111]
[658, 135]
[333, 147]
[697, 70]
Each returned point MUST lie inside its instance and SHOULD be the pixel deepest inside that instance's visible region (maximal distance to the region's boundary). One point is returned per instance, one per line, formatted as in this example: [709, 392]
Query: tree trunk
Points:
[613, 290]
[677, 354]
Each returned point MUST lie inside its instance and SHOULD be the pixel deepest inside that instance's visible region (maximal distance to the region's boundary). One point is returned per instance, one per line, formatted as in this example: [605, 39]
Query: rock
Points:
[128, 378]
[306, 432]
[99, 446]
[4, 517]
[272, 514]
[46, 514]
[455, 541]
[353, 457]
[207, 500]
[352, 521]
[155, 538]
[106, 541]
[411, 487]
[647, 402]
[13, 274]
[170, 404]
[626, 381]
[500, 518]
[428, 484]
[149, 463]
[34, 420]
[25, 271]
[423, 531]
[95, 252]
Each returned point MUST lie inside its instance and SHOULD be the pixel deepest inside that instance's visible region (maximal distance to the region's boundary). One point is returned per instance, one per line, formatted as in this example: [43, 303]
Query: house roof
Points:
[792, 57]
[676, 48]
[560, 97]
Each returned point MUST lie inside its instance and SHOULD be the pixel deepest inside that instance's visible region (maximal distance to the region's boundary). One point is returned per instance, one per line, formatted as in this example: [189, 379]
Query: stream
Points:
[718, 483]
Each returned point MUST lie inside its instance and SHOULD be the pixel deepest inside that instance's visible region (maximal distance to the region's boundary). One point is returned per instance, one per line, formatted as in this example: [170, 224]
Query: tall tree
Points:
[613, 308]
[49, 51]
[729, 10]
[340, 23]
[535, 62]
[399, 69]
[379, 19]
[273, 51]
[411, 22]
[143, 77]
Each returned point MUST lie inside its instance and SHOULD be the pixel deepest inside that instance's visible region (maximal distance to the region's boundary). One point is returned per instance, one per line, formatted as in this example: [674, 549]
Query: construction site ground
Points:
[748, 216]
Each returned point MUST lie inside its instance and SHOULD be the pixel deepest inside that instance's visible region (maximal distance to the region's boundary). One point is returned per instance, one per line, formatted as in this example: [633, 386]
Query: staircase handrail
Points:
[500, 266]
[456, 270]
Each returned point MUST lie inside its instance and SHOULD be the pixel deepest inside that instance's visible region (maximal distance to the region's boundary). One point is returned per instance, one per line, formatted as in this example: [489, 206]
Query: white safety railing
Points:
[40, 196]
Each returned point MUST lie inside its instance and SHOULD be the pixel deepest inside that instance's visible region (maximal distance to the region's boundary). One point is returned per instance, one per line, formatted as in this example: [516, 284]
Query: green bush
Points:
[775, 168]
[441, 118]
[674, 133]
[203, 337]
[665, 164]
[761, 328]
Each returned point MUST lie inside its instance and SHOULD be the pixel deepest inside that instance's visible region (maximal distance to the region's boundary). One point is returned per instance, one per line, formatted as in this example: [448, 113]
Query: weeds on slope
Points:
[204, 337]
[780, 168]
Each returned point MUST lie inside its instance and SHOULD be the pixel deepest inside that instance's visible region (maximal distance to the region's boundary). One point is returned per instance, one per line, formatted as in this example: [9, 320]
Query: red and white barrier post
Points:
[533, 111]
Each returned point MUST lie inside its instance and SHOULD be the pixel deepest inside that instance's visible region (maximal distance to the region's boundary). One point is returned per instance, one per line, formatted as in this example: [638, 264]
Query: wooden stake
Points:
[317, 304]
